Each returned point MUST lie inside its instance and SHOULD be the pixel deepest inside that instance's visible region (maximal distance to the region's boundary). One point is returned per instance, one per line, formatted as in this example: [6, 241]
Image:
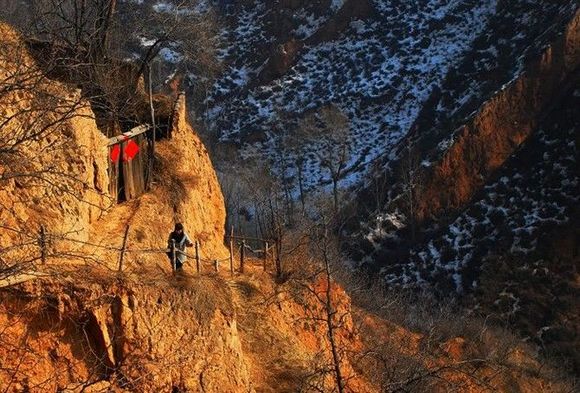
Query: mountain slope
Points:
[385, 63]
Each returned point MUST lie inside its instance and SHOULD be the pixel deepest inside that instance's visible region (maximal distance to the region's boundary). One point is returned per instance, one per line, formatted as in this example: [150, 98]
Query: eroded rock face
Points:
[136, 337]
[53, 159]
[501, 125]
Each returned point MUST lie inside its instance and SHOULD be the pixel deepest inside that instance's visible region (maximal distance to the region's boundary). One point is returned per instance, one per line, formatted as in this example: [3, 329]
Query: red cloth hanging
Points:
[131, 150]
[115, 153]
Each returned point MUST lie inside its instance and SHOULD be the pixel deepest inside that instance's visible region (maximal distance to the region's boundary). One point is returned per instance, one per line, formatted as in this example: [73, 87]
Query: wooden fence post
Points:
[123, 248]
[232, 251]
[242, 255]
[197, 261]
[42, 244]
[265, 255]
[276, 256]
[216, 265]
[173, 254]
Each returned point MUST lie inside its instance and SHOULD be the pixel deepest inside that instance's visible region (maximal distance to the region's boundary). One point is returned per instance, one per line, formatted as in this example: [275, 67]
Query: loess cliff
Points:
[502, 124]
[495, 200]
[54, 173]
[53, 167]
[66, 328]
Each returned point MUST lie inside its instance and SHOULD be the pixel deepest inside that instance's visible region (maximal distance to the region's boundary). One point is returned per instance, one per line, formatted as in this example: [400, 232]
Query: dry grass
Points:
[435, 345]
[166, 176]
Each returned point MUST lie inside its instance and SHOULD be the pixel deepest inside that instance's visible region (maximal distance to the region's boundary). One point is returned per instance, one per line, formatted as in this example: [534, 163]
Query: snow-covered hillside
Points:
[533, 193]
[380, 69]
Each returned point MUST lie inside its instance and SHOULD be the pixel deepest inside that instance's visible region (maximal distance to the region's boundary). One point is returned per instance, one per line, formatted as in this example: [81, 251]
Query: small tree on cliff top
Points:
[313, 284]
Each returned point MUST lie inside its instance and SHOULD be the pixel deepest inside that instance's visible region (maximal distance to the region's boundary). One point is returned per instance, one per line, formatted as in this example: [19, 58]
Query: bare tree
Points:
[379, 186]
[329, 131]
[257, 202]
[411, 182]
[270, 202]
[331, 316]
[313, 285]
[82, 26]
[91, 42]
[294, 144]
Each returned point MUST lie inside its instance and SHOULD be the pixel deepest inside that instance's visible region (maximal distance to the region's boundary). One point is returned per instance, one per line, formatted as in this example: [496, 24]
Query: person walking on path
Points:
[181, 241]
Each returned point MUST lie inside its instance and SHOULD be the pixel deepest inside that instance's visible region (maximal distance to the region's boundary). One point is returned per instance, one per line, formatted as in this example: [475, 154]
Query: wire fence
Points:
[40, 247]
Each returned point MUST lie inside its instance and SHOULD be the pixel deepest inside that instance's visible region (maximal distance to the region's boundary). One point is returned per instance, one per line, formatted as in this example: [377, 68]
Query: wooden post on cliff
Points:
[123, 248]
[197, 261]
[42, 244]
[242, 255]
[276, 257]
[265, 261]
[173, 254]
[232, 250]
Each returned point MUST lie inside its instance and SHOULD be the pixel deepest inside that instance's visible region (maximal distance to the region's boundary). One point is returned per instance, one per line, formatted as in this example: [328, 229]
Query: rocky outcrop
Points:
[501, 125]
[185, 189]
[53, 159]
[135, 337]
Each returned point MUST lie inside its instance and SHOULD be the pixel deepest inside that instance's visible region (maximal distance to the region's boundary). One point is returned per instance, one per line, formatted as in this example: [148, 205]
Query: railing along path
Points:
[43, 246]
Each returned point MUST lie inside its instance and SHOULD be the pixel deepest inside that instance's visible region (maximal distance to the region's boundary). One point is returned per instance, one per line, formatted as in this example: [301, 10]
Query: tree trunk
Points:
[100, 43]
[301, 187]
[412, 214]
[335, 193]
[288, 199]
[154, 136]
[330, 325]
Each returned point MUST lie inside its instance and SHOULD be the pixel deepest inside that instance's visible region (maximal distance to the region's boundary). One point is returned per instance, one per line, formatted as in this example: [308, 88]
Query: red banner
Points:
[131, 150]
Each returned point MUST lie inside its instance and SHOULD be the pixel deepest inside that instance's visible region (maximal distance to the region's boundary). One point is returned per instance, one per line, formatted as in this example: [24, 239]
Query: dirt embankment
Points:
[106, 334]
[53, 158]
[501, 125]
[88, 331]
